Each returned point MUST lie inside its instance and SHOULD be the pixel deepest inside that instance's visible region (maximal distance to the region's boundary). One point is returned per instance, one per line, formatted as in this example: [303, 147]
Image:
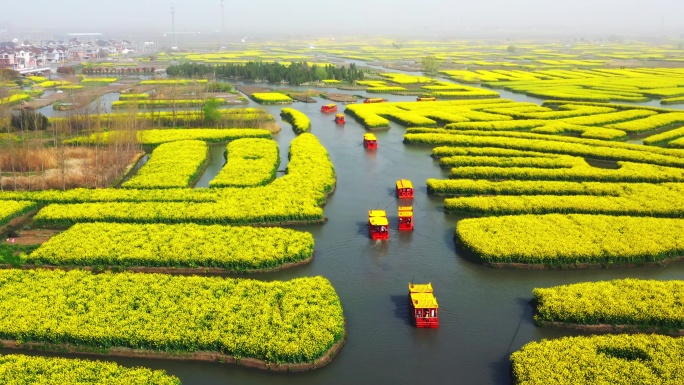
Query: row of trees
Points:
[294, 74]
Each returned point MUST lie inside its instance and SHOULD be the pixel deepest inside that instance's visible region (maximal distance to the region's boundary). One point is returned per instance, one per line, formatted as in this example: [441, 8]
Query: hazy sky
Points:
[347, 17]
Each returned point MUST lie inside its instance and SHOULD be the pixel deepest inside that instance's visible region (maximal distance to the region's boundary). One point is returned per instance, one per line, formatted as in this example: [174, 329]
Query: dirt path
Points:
[35, 236]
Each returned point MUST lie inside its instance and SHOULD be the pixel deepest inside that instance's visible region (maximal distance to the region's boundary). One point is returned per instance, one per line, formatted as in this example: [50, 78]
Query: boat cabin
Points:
[426, 99]
[374, 100]
[370, 141]
[405, 218]
[404, 189]
[378, 226]
[339, 118]
[329, 108]
[423, 305]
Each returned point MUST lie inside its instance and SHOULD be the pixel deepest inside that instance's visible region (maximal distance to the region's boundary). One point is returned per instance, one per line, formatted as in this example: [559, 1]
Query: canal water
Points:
[485, 313]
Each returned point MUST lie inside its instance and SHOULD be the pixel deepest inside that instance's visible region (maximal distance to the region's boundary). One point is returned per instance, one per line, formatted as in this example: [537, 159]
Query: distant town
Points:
[25, 55]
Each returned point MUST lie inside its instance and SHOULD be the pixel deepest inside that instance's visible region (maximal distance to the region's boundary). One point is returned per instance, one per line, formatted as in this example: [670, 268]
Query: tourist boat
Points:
[405, 218]
[423, 305]
[375, 100]
[426, 99]
[378, 226]
[329, 108]
[339, 118]
[370, 141]
[404, 189]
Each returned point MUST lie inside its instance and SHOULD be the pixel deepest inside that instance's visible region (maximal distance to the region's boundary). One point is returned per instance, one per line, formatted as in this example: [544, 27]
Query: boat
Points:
[370, 141]
[426, 99]
[375, 100]
[339, 118]
[405, 218]
[423, 305]
[404, 189]
[329, 108]
[378, 226]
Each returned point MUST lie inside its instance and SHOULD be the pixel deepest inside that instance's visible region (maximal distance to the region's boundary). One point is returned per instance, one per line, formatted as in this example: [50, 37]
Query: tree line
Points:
[294, 74]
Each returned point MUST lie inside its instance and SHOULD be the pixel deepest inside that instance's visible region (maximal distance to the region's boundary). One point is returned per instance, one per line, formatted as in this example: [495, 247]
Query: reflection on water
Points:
[216, 162]
[484, 312]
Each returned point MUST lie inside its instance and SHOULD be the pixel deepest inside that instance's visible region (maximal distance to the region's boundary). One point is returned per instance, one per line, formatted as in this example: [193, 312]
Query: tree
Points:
[512, 49]
[212, 115]
[320, 73]
[430, 64]
[29, 120]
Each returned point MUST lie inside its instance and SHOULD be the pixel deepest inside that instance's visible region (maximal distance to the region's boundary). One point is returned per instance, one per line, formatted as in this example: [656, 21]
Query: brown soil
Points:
[195, 356]
[605, 328]
[160, 270]
[302, 97]
[18, 222]
[569, 266]
[273, 127]
[341, 98]
[40, 102]
[35, 236]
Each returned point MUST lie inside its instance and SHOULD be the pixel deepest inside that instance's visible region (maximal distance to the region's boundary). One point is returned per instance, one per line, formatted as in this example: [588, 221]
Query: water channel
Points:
[484, 313]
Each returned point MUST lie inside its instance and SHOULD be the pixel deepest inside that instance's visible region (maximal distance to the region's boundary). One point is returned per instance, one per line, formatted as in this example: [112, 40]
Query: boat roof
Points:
[378, 221]
[375, 99]
[369, 136]
[330, 105]
[404, 183]
[420, 287]
[339, 115]
[405, 213]
[424, 300]
[377, 213]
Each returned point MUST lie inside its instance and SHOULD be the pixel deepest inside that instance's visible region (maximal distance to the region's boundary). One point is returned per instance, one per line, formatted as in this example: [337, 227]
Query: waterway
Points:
[484, 312]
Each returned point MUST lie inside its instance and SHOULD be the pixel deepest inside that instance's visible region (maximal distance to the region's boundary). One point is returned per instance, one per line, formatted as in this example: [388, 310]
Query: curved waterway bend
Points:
[484, 312]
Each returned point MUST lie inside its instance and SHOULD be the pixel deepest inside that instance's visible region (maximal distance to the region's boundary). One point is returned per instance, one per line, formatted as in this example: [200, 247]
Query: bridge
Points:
[28, 71]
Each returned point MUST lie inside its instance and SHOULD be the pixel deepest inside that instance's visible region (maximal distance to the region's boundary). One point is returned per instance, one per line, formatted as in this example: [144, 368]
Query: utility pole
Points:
[173, 26]
[223, 22]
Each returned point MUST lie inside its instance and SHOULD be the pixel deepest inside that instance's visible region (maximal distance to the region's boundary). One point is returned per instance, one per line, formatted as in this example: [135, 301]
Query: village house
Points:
[22, 55]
